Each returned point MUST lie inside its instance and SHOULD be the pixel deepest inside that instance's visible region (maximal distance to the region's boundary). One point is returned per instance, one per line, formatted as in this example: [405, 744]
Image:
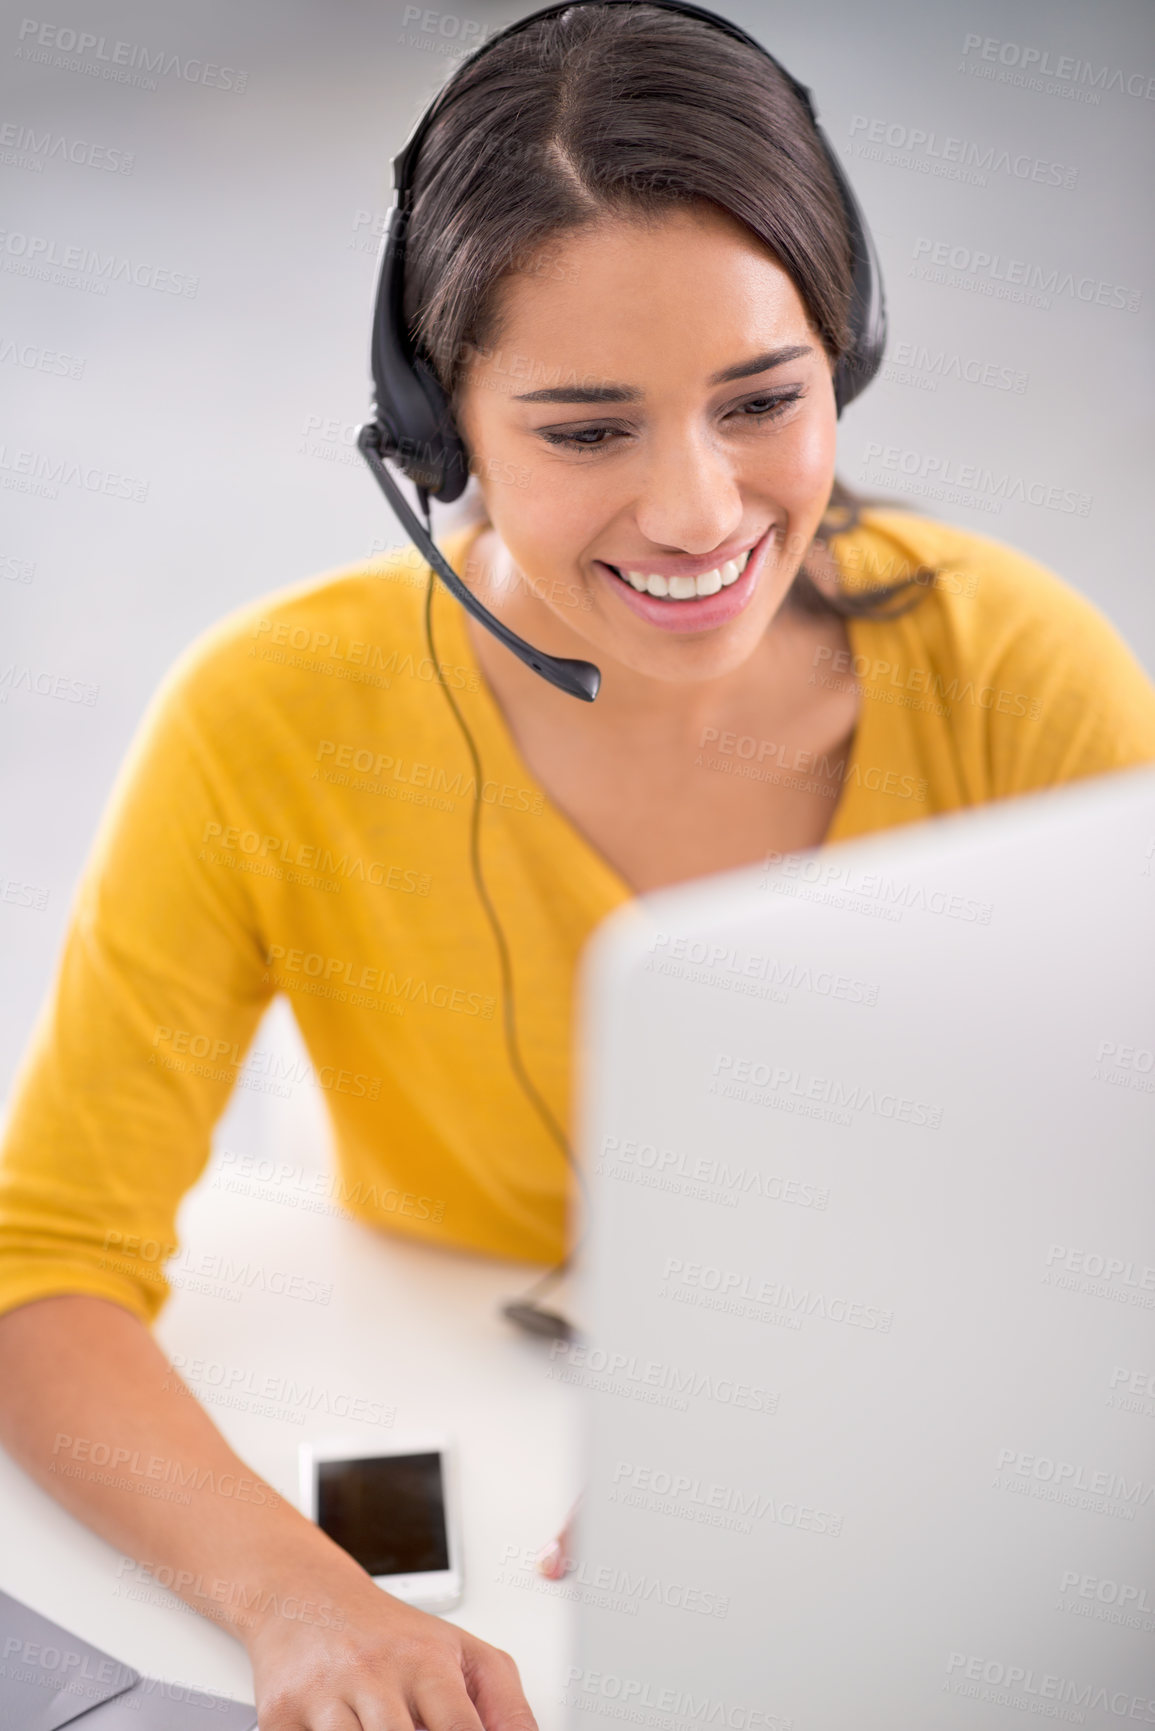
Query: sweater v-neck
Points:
[498, 745]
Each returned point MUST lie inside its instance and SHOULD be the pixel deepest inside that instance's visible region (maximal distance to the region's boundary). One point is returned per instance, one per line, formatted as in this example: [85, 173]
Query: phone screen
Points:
[387, 1511]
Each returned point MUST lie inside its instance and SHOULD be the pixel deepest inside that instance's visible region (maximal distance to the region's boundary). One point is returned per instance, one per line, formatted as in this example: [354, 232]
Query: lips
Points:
[699, 614]
[679, 587]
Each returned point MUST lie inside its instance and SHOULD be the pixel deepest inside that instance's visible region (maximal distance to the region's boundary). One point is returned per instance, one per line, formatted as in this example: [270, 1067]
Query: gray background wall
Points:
[251, 168]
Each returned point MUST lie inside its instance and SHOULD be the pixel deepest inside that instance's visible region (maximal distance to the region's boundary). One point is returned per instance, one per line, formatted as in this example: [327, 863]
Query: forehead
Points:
[686, 293]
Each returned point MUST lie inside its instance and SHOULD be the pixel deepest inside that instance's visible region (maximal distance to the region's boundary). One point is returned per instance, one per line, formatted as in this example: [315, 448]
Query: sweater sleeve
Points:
[1090, 705]
[158, 992]
[1037, 687]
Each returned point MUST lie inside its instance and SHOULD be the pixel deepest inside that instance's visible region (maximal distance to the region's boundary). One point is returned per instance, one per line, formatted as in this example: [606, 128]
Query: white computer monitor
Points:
[869, 1285]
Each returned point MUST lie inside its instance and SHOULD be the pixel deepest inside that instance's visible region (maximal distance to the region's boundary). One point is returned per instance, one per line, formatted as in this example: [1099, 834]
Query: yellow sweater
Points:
[293, 817]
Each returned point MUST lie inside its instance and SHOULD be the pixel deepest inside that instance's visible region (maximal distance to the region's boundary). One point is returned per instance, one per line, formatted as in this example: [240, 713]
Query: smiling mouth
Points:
[684, 588]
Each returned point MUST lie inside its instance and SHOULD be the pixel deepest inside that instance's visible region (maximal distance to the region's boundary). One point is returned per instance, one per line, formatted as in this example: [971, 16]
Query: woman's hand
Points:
[386, 1667]
[557, 1558]
[330, 1651]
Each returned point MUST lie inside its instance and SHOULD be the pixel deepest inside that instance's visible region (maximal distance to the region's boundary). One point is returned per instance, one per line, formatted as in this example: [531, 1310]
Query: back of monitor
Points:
[871, 1283]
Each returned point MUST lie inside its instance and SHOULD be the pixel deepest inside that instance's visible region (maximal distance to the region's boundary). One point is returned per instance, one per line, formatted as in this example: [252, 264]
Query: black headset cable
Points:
[525, 1311]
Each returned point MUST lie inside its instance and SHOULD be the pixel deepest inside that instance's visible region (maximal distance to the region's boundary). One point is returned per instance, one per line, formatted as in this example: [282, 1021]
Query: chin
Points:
[689, 662]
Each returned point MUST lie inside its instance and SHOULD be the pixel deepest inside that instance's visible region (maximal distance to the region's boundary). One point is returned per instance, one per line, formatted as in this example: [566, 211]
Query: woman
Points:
[637, 322]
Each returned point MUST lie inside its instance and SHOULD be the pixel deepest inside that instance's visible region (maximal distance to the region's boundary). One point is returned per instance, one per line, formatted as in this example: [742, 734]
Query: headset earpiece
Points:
[867, 317]
[449, 457]
[410, 406]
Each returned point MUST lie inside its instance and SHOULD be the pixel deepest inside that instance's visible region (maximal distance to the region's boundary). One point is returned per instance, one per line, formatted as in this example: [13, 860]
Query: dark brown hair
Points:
[625, 110]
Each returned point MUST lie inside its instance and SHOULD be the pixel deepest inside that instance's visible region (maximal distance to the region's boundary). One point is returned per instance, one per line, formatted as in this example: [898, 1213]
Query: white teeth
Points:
[688, 588]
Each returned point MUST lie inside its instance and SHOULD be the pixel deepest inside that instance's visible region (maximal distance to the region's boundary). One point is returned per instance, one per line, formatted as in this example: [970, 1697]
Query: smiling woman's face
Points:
[656, 403]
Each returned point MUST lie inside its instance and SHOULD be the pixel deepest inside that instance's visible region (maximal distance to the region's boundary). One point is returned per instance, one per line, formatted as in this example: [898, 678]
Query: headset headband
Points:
[405, 160]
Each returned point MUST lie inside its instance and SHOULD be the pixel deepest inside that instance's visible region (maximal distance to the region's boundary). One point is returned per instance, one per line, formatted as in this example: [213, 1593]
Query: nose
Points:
[689, 499]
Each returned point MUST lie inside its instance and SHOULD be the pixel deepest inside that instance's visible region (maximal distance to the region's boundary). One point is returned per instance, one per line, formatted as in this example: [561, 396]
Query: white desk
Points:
[405, 1327]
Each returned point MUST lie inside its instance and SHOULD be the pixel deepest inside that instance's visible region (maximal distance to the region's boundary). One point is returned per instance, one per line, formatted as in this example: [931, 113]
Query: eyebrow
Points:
[630, 394]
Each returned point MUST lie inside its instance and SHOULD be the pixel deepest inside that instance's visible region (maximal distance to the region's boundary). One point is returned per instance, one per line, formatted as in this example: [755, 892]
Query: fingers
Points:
[442, 1704]
[552, 1560]
[391, 1668]
[384, 1710]
[334, 1717]
[556, 1559]
[495, 1684]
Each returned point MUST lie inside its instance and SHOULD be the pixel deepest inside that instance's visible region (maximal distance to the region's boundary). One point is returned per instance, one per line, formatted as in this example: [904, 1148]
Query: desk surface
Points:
[393, 1332]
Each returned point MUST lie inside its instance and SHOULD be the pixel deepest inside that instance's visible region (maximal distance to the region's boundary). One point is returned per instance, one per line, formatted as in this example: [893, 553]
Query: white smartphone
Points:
[394, 1510]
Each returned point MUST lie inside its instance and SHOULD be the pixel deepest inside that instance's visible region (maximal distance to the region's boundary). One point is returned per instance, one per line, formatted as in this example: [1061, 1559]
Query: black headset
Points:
[412, 426]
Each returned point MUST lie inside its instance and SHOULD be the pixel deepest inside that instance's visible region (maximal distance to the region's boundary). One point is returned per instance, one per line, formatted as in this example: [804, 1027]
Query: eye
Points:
[580, 439]
[758, 409]
[769, 407]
